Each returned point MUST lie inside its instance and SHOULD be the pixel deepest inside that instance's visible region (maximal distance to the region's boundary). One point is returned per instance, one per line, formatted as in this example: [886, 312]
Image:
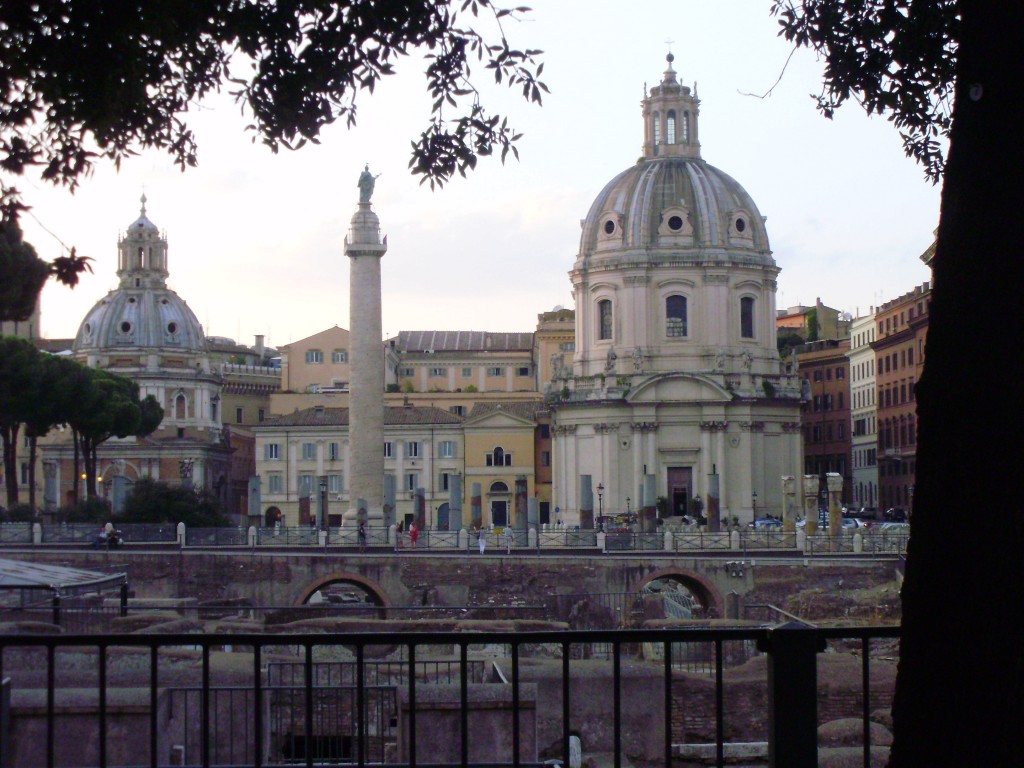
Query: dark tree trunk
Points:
[32, 472]
[76, 442]
[10, 446]
[960, 689]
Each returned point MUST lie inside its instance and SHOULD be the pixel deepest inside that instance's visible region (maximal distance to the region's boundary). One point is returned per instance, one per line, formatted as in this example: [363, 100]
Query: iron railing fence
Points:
[15, 533]
[207, 699]
[871, 541]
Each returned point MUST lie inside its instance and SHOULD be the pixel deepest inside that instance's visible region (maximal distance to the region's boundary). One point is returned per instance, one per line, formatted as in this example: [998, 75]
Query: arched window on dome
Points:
[657, 131]
[604, 319]
[179, 406]
[670, 127]
[140, 254]
[747, 317]
[686, 127]
[675, 316]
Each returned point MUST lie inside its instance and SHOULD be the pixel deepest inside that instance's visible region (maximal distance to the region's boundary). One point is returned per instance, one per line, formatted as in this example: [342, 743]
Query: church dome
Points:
[142, 312]
[672, 200]
[677, 204]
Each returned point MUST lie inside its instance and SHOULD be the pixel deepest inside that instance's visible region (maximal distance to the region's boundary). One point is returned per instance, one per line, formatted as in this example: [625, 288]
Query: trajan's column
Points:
[366, 388]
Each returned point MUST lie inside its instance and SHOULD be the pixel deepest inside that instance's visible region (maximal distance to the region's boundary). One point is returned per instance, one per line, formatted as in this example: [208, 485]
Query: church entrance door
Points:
[680, 483]
[499, 513]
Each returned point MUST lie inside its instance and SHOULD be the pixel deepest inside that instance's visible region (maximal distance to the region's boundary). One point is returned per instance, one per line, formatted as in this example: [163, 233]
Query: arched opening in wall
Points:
[179, 407]
[657, 131]
[674, 597]
[352, 597]
[670, 127]
[272, 517]
[604, 319]
[747, 317]
[498, 498]
[675, 316]
[686, 127]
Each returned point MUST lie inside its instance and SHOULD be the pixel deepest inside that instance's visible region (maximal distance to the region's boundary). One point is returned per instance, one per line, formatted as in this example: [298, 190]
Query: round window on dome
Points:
[741, 225]
[609, 227]
[88, 328]
[172, 327]
[163, 301]
[675, 223]
[131, 300]
[126, 327]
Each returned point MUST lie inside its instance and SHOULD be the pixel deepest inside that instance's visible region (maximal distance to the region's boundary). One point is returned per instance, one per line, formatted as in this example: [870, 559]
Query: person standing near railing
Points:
[414, 534]
[361, 535]
[399, 533]
[481, 538]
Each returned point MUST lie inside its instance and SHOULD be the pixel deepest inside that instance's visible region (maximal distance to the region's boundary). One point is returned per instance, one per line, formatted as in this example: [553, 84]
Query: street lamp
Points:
[753, 497]
[600, 502]
[627, 506]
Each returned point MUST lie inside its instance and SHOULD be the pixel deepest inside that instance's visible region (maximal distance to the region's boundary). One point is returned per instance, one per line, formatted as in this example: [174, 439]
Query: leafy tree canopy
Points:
[86, 80]
[894, 57]
[153, 501]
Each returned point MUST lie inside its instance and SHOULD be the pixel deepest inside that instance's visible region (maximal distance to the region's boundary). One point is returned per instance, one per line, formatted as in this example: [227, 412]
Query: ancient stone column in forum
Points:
[365, 248]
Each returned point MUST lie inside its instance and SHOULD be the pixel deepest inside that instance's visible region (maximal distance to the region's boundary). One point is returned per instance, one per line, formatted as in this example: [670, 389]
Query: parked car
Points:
[765, 523]
[893, 527]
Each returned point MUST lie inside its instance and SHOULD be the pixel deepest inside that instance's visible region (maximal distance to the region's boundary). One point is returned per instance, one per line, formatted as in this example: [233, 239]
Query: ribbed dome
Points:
[680, 204]
[142, 312]
[148, 317]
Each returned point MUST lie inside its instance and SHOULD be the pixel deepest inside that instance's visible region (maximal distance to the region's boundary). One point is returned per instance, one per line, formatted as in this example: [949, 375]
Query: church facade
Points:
[143, 330]
[674, 394]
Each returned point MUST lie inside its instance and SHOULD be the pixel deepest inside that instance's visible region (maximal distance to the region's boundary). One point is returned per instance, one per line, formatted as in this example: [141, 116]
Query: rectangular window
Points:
[274, 484]
[544, 512]
[545, 431]
[604, 319]
[339, 356]
[495, 371]
[445, 481]
[314, 356]
[272, 451]
[840, 373]
[388, 449]
[239, 415]
[447, 449]
[458, 410]
[406, 372]
[841, 431]
[567, 346]
[545, 458]
[24, 473]
[412, 480]
[334, 484]
[333, 451]
[309, 451]
[306, 485]
[467, 373]
[747, 317]
[523, 371]
[438, 371]
[828, 374]
[261, 415]
[412, 449]
[817, 375]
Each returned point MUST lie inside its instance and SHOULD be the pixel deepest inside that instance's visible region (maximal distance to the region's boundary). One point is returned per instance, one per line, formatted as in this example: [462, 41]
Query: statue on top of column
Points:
[366, 183]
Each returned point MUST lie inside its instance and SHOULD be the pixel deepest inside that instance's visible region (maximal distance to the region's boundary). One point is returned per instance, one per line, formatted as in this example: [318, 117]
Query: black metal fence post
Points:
[792, 695]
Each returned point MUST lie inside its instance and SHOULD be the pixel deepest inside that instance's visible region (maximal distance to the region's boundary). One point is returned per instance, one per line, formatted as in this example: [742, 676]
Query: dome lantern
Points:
[670, 118]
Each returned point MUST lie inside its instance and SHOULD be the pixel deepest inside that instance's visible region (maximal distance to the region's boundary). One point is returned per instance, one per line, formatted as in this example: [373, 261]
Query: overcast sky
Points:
[256, 238]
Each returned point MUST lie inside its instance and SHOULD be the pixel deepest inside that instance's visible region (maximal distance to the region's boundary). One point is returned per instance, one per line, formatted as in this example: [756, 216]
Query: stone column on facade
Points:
[475, 506]
[365, 249]
[719, 468]
[811, 483]
[713, 501]
[650, 499]
[586, 502]
[835, 511]
[532, 513]
[788, 503]
[419, 508]
[518, 519]
[455, 502]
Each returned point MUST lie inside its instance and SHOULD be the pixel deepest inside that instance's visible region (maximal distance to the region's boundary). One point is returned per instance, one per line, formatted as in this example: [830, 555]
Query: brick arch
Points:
[699, 585]
[347, 577]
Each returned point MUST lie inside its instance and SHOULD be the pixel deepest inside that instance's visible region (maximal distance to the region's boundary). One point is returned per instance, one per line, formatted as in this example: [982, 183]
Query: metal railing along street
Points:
[264, 699]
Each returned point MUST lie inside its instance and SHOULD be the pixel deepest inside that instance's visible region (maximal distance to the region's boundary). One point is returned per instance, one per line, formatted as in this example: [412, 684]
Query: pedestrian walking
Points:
[481, 538]
[414, 533]
[361, 535]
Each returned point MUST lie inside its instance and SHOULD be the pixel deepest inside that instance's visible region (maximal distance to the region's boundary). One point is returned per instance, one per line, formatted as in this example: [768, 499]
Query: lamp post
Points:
[600, 502]
[753, 499]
